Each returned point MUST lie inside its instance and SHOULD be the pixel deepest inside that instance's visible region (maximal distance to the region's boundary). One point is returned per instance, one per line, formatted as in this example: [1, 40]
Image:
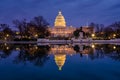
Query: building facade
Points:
[60, 29]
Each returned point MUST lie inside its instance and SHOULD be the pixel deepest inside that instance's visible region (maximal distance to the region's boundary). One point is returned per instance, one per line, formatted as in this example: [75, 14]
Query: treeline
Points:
[38, 28]
[100, 31]
[107, 32]
[33, 29]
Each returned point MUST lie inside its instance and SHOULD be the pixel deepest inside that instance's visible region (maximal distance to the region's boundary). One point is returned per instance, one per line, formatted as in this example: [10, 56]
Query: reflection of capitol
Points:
[60, 60]
[60, 53]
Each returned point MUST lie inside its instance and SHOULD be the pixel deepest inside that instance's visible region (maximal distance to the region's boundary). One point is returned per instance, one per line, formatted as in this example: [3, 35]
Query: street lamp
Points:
[93, 35]
[36, 35]
[7, 47]
[7, 35]
[17, 33]
[114, 47]
[114, 35]
[5, 38]
[93, 46]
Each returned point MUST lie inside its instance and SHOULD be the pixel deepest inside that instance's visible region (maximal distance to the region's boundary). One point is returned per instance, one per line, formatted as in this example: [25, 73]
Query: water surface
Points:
[60, 62]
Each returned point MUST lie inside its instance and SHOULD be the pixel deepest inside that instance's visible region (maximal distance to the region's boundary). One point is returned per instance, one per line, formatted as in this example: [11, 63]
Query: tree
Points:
[77, 31]
[21, 26]
[116, 27]
[37, 27]
[108, 32]
[6, 32]
[37, 56]
[41, 26]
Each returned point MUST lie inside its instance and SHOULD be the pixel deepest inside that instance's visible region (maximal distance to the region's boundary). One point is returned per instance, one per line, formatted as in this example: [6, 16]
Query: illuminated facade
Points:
[60, 29]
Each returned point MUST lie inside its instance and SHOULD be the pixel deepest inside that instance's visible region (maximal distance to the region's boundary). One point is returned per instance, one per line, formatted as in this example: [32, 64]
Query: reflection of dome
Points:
[60, 60]
[60, 21]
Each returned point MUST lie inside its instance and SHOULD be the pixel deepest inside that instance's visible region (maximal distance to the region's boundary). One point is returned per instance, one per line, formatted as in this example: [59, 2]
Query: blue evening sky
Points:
[76, 12]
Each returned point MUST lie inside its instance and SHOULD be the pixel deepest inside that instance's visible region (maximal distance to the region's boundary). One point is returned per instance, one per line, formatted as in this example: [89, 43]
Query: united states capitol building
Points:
[60, 29]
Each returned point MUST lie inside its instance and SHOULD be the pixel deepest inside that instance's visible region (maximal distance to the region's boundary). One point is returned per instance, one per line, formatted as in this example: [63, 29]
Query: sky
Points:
[76, 12]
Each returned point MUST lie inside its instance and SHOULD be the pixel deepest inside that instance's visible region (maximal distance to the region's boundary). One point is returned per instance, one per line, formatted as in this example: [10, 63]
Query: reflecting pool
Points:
[60, 62]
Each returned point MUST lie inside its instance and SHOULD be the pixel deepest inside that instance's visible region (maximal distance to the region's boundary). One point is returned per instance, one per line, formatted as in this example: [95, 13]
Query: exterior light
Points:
[17, 48]
[36, 47]
[114, 47]
[93, 35]
[5, 38]
[36, 35]
[93, 46]
[7, 48]
[114, 35]
[7, 35]
[5, 44]
[17, 32]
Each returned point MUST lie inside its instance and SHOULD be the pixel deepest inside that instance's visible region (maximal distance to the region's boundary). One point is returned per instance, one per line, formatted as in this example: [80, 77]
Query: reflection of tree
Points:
[101, 50]
[115, 55]
[109, 50]
[37, 56]
[89, 51]
[76, 48]
[99, 53]
[86, 50]
[5, 50]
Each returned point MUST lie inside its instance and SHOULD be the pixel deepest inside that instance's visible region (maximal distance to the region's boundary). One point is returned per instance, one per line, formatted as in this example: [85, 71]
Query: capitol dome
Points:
[60, 20]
